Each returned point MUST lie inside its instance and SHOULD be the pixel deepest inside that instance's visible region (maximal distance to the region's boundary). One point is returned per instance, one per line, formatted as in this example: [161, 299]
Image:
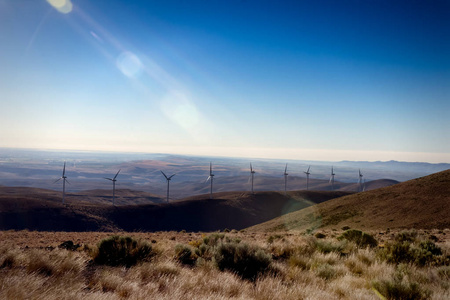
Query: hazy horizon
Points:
[323, 157]
[303, 80]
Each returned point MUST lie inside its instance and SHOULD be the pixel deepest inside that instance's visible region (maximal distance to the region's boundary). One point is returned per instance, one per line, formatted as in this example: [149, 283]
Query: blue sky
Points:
[313, 80]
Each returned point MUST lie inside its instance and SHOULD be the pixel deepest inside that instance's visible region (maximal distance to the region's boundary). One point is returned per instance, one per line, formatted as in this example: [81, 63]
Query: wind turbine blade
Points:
[67, 181]
[164, 175]
[117, 174]
[210, 169]
[308, 169]
[209, 177]
[57, 180]
[64, 169]
[285, 169]
[107, 178]
[172, 176]
[251, 168]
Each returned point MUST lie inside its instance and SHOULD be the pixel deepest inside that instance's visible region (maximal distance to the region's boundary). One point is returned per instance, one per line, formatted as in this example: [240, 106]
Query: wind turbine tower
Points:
[332, 178]
[168, 181]
[360, 181]
[210, 177]
[285, 180]
[114, 186]
[252, 172]
[64, 179]
[307, 178]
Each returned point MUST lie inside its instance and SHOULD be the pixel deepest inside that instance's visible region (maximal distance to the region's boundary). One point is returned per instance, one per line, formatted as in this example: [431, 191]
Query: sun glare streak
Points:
[36, 31]
[181, 111]
[63, 6]
[96, 36]
[129, 64]
[138, 67]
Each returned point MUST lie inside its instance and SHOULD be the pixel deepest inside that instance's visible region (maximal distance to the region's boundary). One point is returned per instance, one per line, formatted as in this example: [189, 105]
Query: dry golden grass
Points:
[422, 203]
[33, 267]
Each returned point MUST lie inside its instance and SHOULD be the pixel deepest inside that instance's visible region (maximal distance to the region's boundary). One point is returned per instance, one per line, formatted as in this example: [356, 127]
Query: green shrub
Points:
[431, 247]
[213, 239]
[396, 289]
[122, 251]
[246, 261]
[184, 255]
[361, 239]
[424, 253]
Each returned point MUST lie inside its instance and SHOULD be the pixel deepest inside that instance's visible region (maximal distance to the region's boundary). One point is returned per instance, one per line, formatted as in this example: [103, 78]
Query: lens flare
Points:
[181, 111]
[63, 6]
[129, 64]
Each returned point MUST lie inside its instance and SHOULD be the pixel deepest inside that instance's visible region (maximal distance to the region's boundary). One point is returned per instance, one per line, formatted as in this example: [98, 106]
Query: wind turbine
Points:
[332, 178]
[114, 185]
[168, 181]
[210, 177]
[360, 180]
[307, 178]
[252, 174]
[285, 180]
[64, 178]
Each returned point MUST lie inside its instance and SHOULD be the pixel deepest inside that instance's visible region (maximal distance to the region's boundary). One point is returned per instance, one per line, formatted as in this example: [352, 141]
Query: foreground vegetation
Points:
[344, 264]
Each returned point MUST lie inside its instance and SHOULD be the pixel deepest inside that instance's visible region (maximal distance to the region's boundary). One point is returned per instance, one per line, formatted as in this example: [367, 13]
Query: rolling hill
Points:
[38, 209]
[419, 203]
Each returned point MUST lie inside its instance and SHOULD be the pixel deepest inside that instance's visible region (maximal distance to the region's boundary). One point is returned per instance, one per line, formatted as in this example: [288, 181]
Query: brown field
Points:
[33, 267]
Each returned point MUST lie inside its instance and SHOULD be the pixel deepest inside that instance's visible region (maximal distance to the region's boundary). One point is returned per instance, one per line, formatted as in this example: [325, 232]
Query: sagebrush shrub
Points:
[122, 251]
[184, 255]
[424, 253]
[361, 239]
[396, 289]
[246, 261]
[213, 239]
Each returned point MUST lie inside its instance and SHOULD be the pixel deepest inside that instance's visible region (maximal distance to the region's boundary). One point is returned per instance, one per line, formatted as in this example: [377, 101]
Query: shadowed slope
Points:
[418, 203]
[233, 210]
[36, 209]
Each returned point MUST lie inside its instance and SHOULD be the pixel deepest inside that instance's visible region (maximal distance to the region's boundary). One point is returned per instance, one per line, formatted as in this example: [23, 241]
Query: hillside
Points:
[38, 209]
[419, 203]
[232, 210]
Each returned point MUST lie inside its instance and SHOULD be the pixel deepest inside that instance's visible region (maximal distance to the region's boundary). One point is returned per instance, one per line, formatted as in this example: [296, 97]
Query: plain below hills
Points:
[419, 203]
[42, 210]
